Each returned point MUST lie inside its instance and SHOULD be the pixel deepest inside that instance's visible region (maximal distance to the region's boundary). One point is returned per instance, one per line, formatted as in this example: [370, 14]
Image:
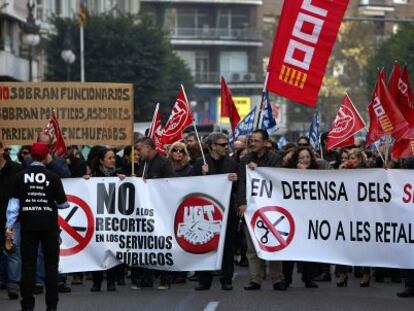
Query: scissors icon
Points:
[264, 238]
[261, 225]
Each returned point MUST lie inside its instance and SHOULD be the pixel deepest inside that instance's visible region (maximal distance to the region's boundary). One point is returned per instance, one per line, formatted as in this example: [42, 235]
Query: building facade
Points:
[14, 55]
[215, 38]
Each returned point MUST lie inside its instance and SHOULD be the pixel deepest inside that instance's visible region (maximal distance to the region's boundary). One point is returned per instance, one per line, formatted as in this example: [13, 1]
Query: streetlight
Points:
[31, 35]
[67, 55]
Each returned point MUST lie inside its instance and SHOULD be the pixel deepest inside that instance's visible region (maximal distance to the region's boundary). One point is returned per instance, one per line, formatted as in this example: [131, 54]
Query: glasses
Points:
[177, 150]
[24, 152]
[303, 145]
[222, 144]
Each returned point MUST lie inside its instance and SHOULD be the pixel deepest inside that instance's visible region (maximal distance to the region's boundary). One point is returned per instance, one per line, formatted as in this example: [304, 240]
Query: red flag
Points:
[399, 87]
[406, 93]
[404, 148]
[393, 81]
[303, 43]
[228, 108]
[180, 118]
[385, 117]
[156, 131]
[52, 129]
[347, 123]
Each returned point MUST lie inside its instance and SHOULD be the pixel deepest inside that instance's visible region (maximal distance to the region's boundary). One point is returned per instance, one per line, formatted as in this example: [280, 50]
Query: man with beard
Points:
[193, 147]
[152, 166]
[259, 156]
[218, 162]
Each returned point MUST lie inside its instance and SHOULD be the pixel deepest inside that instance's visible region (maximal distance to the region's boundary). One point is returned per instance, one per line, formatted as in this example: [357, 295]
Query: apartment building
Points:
[14, 55]
[215, 38]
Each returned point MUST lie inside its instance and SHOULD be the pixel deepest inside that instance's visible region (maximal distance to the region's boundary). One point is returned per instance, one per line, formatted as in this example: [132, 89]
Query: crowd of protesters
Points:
[184, 158]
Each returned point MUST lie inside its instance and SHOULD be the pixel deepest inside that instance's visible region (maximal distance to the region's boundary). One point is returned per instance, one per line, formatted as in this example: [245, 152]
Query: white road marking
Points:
[211, 306]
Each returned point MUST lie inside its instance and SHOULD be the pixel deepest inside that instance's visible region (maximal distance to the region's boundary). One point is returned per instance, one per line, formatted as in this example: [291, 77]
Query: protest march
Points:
[87, 200]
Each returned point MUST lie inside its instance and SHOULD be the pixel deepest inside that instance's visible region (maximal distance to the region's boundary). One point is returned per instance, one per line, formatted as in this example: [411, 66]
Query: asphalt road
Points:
[379, 296]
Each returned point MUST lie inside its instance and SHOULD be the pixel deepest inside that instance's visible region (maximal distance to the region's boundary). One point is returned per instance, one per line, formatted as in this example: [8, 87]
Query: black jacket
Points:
[224, 165]
[184, 171]
[157, 167]
[7, 177]
[267, 160]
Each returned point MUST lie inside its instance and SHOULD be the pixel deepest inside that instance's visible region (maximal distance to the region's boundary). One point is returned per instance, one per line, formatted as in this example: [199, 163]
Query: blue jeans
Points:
[12, 262]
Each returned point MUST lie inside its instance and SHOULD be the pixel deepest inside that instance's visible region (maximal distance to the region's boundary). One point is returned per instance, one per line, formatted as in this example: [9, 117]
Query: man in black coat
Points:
[152, 166]
[258, 157]
[11, 267]
[218, 162]
[36, 196]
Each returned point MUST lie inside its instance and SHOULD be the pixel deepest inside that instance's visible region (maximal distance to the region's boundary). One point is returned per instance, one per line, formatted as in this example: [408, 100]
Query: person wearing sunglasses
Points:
[218, 162]
[180, 159]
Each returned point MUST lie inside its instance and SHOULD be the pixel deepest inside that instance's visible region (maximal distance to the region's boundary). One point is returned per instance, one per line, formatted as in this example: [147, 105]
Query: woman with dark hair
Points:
[104, 165]
[357, 159]
[303, 141]
[303, 158]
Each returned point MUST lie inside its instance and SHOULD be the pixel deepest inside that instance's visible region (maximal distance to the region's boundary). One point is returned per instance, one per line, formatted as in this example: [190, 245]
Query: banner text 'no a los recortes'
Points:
[88, 113]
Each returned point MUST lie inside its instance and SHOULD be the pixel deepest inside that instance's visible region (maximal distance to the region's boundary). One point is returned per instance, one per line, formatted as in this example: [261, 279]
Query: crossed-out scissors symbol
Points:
[261, 225]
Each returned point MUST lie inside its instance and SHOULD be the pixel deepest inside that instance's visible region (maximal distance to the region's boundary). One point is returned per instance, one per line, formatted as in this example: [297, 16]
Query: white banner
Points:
[352, 217]
[174, 224]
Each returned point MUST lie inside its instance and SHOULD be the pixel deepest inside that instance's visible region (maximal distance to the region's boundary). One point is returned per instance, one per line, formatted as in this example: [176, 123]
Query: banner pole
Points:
[133, 160]
[260, 113]
[199, 142]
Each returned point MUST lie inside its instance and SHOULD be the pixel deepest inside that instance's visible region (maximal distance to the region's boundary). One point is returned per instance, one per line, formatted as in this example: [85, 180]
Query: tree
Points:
[124, 49]
[398, 47]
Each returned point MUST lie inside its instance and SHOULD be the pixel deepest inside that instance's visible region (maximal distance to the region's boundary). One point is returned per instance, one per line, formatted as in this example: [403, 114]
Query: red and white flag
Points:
[52, 129]
[303, 43]
[404, 148]
[385, 117]
[156, 131]
[400, 89]
[404, 86]
[228, 108]
[347, 123]
[181, 117]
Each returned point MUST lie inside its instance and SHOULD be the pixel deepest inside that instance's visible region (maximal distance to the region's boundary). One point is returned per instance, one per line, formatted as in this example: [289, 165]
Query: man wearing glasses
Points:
[259, 156]
[218, 162]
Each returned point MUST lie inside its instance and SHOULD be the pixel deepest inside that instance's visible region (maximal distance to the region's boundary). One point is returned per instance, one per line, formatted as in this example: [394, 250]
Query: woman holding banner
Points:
[356, 159]
[303, 158]
[104, 165]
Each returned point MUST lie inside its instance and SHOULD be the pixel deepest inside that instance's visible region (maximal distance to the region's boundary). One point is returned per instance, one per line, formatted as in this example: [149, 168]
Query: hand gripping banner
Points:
[349, 217]
[174, 224]
[304, 40]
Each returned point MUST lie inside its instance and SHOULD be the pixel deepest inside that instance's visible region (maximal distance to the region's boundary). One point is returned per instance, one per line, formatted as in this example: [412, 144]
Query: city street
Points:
[380, 296]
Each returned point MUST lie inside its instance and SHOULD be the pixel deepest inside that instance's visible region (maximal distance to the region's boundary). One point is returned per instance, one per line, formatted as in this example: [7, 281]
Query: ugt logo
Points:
[343, 124]
[179, 116]
[198, 223]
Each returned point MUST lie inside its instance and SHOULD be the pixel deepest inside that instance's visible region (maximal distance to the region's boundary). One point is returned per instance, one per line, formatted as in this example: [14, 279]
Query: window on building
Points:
[192, 18]
[39, 13]
[233, 65]
[58, 7]
[233, 19]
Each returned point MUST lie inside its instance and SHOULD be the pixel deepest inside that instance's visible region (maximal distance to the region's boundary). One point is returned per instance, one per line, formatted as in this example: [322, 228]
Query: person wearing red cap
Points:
[37, 195]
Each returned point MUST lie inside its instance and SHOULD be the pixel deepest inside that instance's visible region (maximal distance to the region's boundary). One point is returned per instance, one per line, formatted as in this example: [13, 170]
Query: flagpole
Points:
[195, 127]
[260, 114]
[82, 54]
[199, 142]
